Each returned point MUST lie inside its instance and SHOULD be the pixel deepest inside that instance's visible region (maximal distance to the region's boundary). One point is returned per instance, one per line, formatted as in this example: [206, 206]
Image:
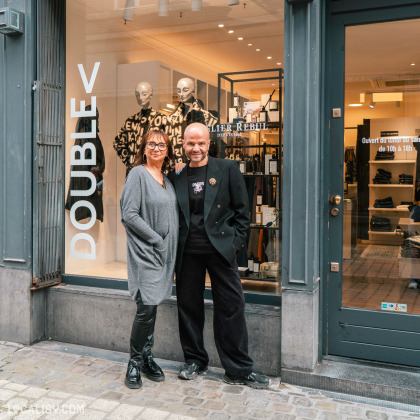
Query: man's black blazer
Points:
[226, 217]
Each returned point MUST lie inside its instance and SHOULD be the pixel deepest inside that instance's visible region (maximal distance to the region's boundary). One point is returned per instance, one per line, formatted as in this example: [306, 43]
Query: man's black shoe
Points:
[253, 380]
[191, 371]
[132, 377]
[152, 370]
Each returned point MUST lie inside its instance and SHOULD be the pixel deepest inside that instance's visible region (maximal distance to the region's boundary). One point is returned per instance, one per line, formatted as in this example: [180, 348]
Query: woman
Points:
[149, 213]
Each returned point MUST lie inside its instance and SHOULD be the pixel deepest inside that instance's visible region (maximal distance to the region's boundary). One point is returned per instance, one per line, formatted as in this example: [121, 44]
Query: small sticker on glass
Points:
[394, 307]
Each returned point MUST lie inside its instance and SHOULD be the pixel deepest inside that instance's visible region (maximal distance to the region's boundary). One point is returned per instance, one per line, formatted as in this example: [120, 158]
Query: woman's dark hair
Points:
[155, 135]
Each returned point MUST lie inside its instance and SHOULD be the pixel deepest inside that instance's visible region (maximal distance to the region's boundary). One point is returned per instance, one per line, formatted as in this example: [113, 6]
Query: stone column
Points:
[301, 185]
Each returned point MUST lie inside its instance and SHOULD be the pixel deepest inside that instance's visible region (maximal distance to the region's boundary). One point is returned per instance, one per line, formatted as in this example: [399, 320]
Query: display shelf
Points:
[388, 209]
[260, 279]
[254, 226]
[391, 185]
[264, 175]
[373, 232]
[392, 161]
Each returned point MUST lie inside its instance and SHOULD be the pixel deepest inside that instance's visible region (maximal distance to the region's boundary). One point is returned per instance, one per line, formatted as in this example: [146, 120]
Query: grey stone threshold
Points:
[392, 383]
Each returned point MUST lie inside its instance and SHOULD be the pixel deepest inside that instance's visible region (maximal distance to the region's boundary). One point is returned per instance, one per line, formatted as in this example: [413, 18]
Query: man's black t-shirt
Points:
[197, 241]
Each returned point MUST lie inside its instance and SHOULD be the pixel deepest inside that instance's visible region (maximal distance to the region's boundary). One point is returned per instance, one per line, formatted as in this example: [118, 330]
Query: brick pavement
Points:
[36, 383]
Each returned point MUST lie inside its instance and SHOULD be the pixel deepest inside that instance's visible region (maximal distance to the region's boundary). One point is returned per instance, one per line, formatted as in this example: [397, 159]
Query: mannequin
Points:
[127, 141]
[188, 111]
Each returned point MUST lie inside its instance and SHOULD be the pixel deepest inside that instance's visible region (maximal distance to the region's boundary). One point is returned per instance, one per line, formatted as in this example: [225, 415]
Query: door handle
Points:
[336, 200]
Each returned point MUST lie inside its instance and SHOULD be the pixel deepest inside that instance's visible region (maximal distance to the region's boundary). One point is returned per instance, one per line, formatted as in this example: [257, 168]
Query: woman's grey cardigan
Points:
[149, 214]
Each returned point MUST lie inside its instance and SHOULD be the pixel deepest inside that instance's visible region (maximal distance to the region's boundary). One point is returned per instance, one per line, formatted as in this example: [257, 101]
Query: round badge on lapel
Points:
[212, 182]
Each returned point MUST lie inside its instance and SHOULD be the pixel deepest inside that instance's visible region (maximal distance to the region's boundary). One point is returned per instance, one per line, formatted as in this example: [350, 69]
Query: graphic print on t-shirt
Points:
[198, 187]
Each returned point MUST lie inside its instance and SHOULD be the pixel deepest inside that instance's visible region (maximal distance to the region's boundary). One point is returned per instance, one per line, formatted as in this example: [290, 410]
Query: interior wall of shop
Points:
[20, 319]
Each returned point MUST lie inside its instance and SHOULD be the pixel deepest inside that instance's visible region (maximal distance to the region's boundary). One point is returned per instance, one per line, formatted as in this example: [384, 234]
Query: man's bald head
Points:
[201, 129]
[196, 144]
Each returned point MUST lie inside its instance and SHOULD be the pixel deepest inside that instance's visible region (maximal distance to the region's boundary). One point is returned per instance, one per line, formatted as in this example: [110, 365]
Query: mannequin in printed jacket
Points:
[189, 110]
[127, 141]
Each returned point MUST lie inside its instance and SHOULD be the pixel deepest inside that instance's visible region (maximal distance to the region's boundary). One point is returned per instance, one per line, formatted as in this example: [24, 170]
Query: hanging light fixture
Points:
[196, 5]
[128, 10]
[233, 2]
[163, 7]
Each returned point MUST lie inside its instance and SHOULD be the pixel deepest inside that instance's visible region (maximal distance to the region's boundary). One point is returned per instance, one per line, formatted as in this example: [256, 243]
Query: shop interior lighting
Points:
[233, 2]
[249, 45]
[170, 106]
[387, 97]
[269, 58]
[372, 105]
[412, 64]
[240, 38]
[279, 64]
[258, 49]
[196, 5]
[163, 7]
[355, 104]
[231, 32]
[221, 25]
[128, 13]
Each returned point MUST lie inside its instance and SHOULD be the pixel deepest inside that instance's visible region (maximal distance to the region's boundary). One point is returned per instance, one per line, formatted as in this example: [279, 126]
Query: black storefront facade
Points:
[338, 258]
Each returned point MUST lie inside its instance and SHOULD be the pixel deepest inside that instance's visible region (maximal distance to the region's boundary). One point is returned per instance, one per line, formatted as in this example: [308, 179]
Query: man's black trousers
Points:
[230, 331]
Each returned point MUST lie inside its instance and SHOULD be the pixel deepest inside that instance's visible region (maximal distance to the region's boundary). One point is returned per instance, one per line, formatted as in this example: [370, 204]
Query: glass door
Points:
[374, 282]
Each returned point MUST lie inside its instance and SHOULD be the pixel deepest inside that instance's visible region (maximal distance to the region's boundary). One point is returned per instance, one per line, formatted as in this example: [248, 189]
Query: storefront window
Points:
[130, 68]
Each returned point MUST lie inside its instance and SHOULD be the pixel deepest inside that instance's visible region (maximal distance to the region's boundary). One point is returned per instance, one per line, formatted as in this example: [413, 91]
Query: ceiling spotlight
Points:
[221, 25]
[128, 10]
[240, 38]
[412, 64]
[279, 64]
[249, 45]
[196, 5]
[372, 105]
[163, 7]
[269, 58]
[233, 2]
[231, 32]
[258, 49]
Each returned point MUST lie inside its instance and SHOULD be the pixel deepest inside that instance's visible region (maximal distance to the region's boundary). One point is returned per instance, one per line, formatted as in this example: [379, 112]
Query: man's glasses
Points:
[152, 145]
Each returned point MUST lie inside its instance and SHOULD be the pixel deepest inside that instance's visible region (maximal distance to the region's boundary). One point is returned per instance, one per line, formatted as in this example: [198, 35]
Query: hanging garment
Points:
[180, 119]
[127, 142]
[83, 183]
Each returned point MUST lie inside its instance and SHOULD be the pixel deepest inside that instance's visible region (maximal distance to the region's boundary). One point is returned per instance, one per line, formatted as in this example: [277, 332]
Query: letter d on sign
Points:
[83, 255]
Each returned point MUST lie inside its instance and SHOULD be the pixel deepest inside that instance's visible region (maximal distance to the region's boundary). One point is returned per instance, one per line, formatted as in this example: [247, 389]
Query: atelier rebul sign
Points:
[78, 158]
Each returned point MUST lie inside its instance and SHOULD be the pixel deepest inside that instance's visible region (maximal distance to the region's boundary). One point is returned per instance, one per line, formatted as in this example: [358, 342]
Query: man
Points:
[213, 224]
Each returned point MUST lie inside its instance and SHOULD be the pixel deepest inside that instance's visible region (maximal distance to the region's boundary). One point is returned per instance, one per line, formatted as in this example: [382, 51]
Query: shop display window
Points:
[135, 66]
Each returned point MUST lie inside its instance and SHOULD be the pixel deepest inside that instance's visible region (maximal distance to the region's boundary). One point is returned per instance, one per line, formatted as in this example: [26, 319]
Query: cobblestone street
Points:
[38, 383]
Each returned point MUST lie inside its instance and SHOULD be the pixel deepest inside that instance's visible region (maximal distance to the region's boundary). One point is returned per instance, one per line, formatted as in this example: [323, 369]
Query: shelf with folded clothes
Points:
[393, 209]
[391, 185]
[380, 162]
[378, 232]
